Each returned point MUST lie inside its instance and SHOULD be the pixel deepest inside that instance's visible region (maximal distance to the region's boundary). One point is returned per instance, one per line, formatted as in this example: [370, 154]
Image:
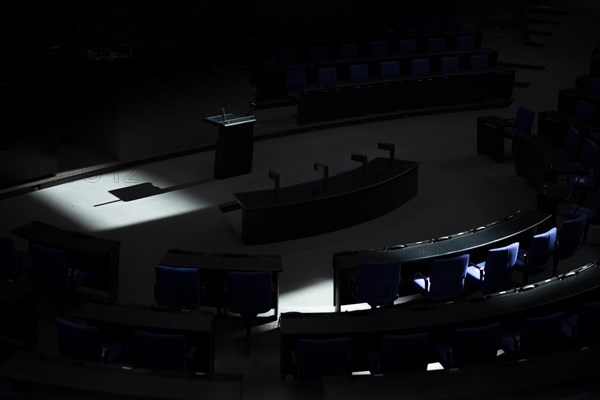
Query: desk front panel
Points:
[85, 251]
[310, 208]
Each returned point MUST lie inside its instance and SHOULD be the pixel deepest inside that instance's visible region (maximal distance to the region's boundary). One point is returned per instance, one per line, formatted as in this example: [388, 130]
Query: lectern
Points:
[235, 143]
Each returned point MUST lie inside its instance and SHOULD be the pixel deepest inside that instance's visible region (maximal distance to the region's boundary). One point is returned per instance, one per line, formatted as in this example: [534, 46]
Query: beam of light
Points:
[77, 202]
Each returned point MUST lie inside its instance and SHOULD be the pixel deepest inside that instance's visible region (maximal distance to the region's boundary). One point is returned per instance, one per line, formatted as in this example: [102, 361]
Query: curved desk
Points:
[312, 208]
[418, 256]
[564, 292]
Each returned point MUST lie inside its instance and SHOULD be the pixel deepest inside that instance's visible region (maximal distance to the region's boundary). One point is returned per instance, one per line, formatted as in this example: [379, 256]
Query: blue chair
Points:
[419, 66]
[358, 72]
[470, 346]
[570, 144]
[249, 293]
[479, 62]
[294, 80]
[585, 110]
[538, 256]
[378, 48]
[570, 237]
[536, 336]
[77, 341]
[594, 85]
[446, 278]
[407, 47]
[13, 263]
[166, 351]
[583, 328]
[496, 271]
[177, 288]
[586, 183]
[377, 282]
[287, 56]
[436, 45]
[389, 69]
[585, 158]
[326, 75]
[51, 269]
[449, 65]
[318, 53]
[465, 42]
[400, 353]
[316, 358]
[520, 126]
[348, 50]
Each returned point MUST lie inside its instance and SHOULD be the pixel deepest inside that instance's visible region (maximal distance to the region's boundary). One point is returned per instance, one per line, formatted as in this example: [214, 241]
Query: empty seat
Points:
[399, 353]
[378, 48]
[326, 75]
[419, 66]
[389, 69]
[358, 72]
[436, 45]
[470, 346]
[465, 42]
[407, 46]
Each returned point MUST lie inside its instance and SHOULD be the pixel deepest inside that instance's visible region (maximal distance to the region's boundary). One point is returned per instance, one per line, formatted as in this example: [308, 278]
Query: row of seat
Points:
[462, 347]
[154, 350]
[377, 283]
[296, 76]
[376, 48]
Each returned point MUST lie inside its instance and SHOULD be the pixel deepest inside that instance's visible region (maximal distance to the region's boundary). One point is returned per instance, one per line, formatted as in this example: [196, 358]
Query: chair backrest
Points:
[419, 66]
[571, 143]
[540, 250]
[159, 350]
[447, 277]
[378, 48]
[475, 345]
[287, 55]
[348, 50]
[294, 77]
[50, 267]
[398, 353]
[8, 258]
[389, 69]
[407, 46]
[570, 236]
[358, 72]
[318, 53]
[326, 75]
[585, 110]
[436, 44]
[449, 65]
[479, 62]
[177, 288]
[465, 42]
[524, 120]
[377, 282]
[78, 341]
[540, 335]
[594, 85]
[499, 263]
[322, 357]
[587, 154]
[249, 293]
[588, 328]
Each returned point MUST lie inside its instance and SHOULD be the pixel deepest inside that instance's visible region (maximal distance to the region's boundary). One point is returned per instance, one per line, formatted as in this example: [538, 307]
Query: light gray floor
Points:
[458, 189]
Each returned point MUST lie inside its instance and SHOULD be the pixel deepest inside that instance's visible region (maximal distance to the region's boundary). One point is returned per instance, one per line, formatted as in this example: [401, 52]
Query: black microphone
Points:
[223, 113]
[275, 176]
[325, 172]
[389, 147]
[362, 159]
